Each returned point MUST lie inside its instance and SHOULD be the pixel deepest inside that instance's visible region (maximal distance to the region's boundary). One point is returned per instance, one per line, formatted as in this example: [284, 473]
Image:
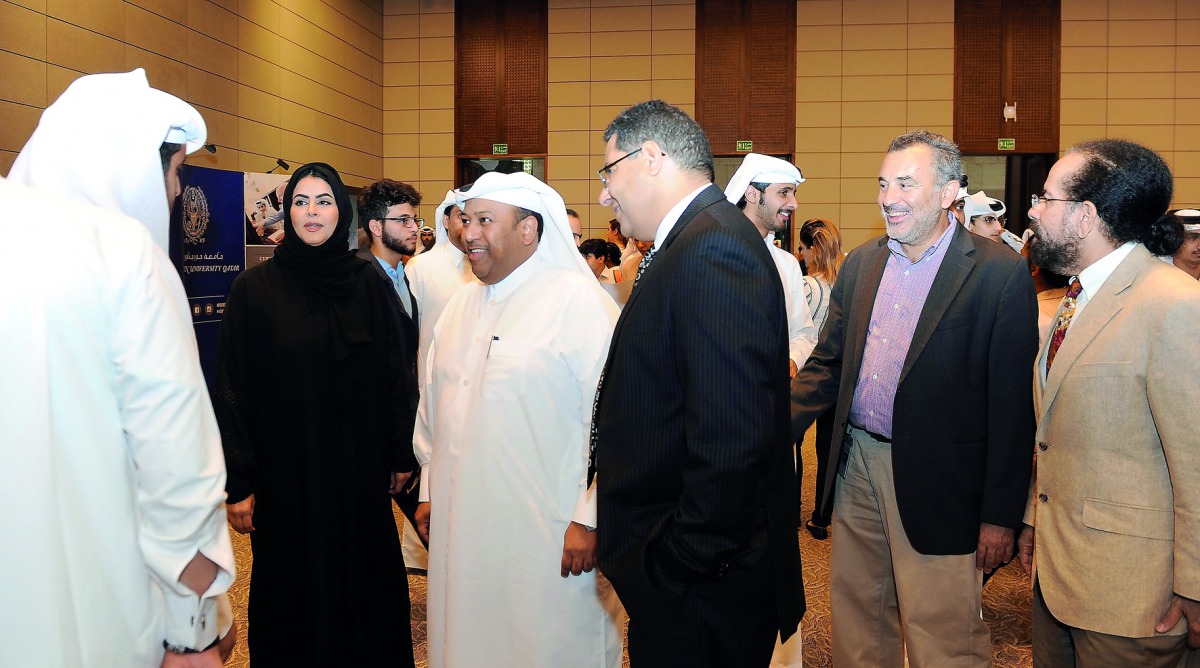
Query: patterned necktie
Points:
[1064, 320]
[643, 264]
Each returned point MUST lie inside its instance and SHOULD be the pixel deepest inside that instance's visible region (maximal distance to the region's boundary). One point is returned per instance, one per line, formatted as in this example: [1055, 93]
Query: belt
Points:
[878, 437]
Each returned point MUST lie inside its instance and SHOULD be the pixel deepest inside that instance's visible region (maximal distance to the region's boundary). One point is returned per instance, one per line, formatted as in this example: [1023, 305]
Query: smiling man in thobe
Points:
[503, 440]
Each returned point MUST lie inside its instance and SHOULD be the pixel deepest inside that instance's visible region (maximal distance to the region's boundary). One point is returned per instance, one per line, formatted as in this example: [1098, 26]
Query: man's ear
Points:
[376, 227]
[528, 230]
[751, 190]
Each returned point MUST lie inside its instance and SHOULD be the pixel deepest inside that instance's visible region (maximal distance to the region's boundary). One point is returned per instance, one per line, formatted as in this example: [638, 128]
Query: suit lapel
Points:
[956, 264]
[1098, 312]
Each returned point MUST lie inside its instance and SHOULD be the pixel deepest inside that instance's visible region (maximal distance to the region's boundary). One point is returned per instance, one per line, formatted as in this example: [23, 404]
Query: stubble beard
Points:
[396, 245]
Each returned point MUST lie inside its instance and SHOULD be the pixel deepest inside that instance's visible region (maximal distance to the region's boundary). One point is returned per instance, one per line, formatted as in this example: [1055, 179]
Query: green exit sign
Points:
[1006, 144]
[499, 149]
[744, 145]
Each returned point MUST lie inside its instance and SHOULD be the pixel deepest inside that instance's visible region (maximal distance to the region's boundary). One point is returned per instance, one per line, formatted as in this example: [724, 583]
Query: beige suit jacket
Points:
[1116, 499]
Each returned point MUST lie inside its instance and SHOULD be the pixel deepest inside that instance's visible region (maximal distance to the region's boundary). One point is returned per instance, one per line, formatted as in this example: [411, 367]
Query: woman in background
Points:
[313, 441]
[821, 247]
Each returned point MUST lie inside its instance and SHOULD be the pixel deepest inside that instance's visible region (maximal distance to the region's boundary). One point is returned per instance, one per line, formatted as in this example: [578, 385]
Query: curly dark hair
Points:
[377, 198]
[1131, 187]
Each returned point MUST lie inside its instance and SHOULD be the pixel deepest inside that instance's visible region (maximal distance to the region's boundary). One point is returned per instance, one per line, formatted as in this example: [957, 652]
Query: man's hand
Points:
[1184, 607]
[1025, 549]
[209, 658]
[398, 481]
[995, 546]
[579, 550]
[225, 645]
[421, 521]
[792, 369]
[241, 515]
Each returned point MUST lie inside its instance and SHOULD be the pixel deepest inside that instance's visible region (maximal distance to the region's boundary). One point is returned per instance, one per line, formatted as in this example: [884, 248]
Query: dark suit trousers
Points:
[730, 622]
[824, 442]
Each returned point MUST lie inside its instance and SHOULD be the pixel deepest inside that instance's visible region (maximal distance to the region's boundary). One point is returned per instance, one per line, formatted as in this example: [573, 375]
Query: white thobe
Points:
[502, 437]
[433, 278]
[802, 333]
[111, 470]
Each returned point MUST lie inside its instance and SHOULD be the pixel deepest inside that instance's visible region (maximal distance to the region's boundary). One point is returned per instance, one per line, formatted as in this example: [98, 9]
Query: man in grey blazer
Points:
[1116, 504]
[927, 352]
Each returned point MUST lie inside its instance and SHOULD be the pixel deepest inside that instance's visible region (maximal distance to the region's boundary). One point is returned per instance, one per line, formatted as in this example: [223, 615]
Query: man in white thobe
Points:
[764, 188]
[503, 440]
[111, 473]
[433, 278]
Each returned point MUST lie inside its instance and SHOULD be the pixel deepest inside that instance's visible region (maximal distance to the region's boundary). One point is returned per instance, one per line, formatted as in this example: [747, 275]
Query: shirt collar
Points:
[1094, 275]
[898, 250]
[672, 217]
[387, 268]
[509, 284]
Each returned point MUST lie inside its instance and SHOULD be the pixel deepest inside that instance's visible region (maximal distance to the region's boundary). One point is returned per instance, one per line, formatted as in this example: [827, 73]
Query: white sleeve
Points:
[173, 442]
[802, 333]
[595, 319]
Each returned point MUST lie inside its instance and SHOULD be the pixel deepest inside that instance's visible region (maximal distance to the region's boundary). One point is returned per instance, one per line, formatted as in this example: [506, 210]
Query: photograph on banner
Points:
[263, 206]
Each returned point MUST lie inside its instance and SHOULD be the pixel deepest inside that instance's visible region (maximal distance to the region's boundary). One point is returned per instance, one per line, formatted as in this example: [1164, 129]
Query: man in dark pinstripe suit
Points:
[697, 505]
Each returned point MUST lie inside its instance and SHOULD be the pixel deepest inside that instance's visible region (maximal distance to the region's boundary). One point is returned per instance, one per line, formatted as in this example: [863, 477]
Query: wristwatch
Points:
[179, 649]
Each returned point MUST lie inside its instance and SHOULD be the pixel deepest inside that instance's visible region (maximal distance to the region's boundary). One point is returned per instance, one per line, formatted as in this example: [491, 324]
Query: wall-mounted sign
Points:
[1006, 144]
[499, 149]
[744, 145]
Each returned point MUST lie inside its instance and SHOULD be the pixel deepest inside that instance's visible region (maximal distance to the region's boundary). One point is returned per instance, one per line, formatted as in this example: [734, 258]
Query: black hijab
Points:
[330, 267]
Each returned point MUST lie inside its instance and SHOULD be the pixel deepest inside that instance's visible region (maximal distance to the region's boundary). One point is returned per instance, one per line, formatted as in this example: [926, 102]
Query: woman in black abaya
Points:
[308, 385]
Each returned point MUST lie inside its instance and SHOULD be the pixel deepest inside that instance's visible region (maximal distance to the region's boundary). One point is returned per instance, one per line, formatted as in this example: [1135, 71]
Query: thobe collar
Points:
[509, 284]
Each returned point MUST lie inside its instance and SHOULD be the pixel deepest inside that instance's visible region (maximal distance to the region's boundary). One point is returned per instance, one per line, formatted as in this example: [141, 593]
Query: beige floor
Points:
[1006, 599]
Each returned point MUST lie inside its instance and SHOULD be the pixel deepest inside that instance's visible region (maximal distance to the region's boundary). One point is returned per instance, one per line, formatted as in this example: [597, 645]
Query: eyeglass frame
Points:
[606, 171]
[416, 222]
[1035, 200]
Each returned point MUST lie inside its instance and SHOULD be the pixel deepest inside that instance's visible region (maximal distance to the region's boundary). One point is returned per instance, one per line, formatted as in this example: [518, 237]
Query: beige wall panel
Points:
[930, 86]
[57, 80]
[871, 140]
[1084, 33]
[574, 167]
[860, 165]
[404, 25]
[1187, 138]
[437, 144]
[24, 80]
[298, 118]
[364, 40]
[258, 138]
[673, 17]
[619, 19]
[571, 142]
[401, 98]
[328, 19]
[819, 63]
[23, 31]
[1187, 193]
[406, 50]
[930, 35]
[931, 61]
[569, 20]
[369, 15]
[1157, 137]
[819, 12]
[1187, 111]
[35, 5]
[569, 94]
[403, 169]
[437, 120]
[620, 93]
[893, 61]
[162, 73]
[874, 37]
[19, 122]
[75, 48]
[930, 113]
[257, 40]
[365, 66]
[1070, 135]
[300, 31]
[1140, 112]
[859, 114]
[263, 12]
[402, 121]
[1082, 85]
[257, 73]
[566, 118]
[1084, 112]
[1083, 10]
[437, 48]
[106, 17]
[930, 11]
[403, 146]
[817, 140]
[437, 25]
[437, 97]
[674, 91]
[1186, 162]
[818, 114]
[1187, 32]
[257, 105]
[628, 43]
[364, 140]
[568, 69]
[665, 42]
[212, 91]
[401, 74]
[1188, 58]
[575, 192]
[866, 88]
[818, 89]
[569, 44]
[672, 67]
[600, 118]
[874, 11]
[818, 38]
[211, 55]
[213, 21]
[1188, 10]
[438, 72]
[438, 170]
[1083, 59]
[1143, 9]
[818, 166]
[1141, 59]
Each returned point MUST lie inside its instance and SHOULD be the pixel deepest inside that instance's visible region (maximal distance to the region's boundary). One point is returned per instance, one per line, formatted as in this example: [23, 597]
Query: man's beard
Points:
[769, 219]
[923, 223]
[396, 245]
[1059, 257]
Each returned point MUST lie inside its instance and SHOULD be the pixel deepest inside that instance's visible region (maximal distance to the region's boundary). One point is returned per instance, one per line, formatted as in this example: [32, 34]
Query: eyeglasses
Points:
[407, 221]
[1035, 200]
[607, 170]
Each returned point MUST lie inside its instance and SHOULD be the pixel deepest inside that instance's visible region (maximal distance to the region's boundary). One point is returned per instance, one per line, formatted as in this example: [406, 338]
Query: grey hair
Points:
[947, 159]
[678, 134]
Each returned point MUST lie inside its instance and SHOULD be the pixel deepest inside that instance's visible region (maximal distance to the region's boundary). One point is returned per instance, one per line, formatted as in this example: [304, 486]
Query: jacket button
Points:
[1043, 498]
[1043, 447]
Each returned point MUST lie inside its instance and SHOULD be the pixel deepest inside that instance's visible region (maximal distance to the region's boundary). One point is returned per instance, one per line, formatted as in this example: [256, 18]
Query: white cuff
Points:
[190, 621]
[423, 488]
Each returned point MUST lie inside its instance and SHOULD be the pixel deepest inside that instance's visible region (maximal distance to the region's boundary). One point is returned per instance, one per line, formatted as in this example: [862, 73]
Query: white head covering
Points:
[98, 143]
[441, 235]
[557, 245]
[1190, 219]
[759, 168]
[980, 204]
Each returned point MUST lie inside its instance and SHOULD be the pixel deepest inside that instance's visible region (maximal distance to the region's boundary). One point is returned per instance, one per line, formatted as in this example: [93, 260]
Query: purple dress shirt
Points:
[898, 303]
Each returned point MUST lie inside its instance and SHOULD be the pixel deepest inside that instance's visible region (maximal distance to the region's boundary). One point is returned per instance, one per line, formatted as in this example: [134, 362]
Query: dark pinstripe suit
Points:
[697, 493]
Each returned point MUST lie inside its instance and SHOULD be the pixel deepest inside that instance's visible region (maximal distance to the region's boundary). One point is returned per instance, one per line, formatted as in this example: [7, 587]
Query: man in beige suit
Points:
[1116, 499]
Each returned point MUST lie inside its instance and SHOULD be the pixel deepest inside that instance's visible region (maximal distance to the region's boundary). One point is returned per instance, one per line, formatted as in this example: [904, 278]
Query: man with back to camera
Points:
[698, 511]
[924, 353]
[1115, 556]
[115, 550]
